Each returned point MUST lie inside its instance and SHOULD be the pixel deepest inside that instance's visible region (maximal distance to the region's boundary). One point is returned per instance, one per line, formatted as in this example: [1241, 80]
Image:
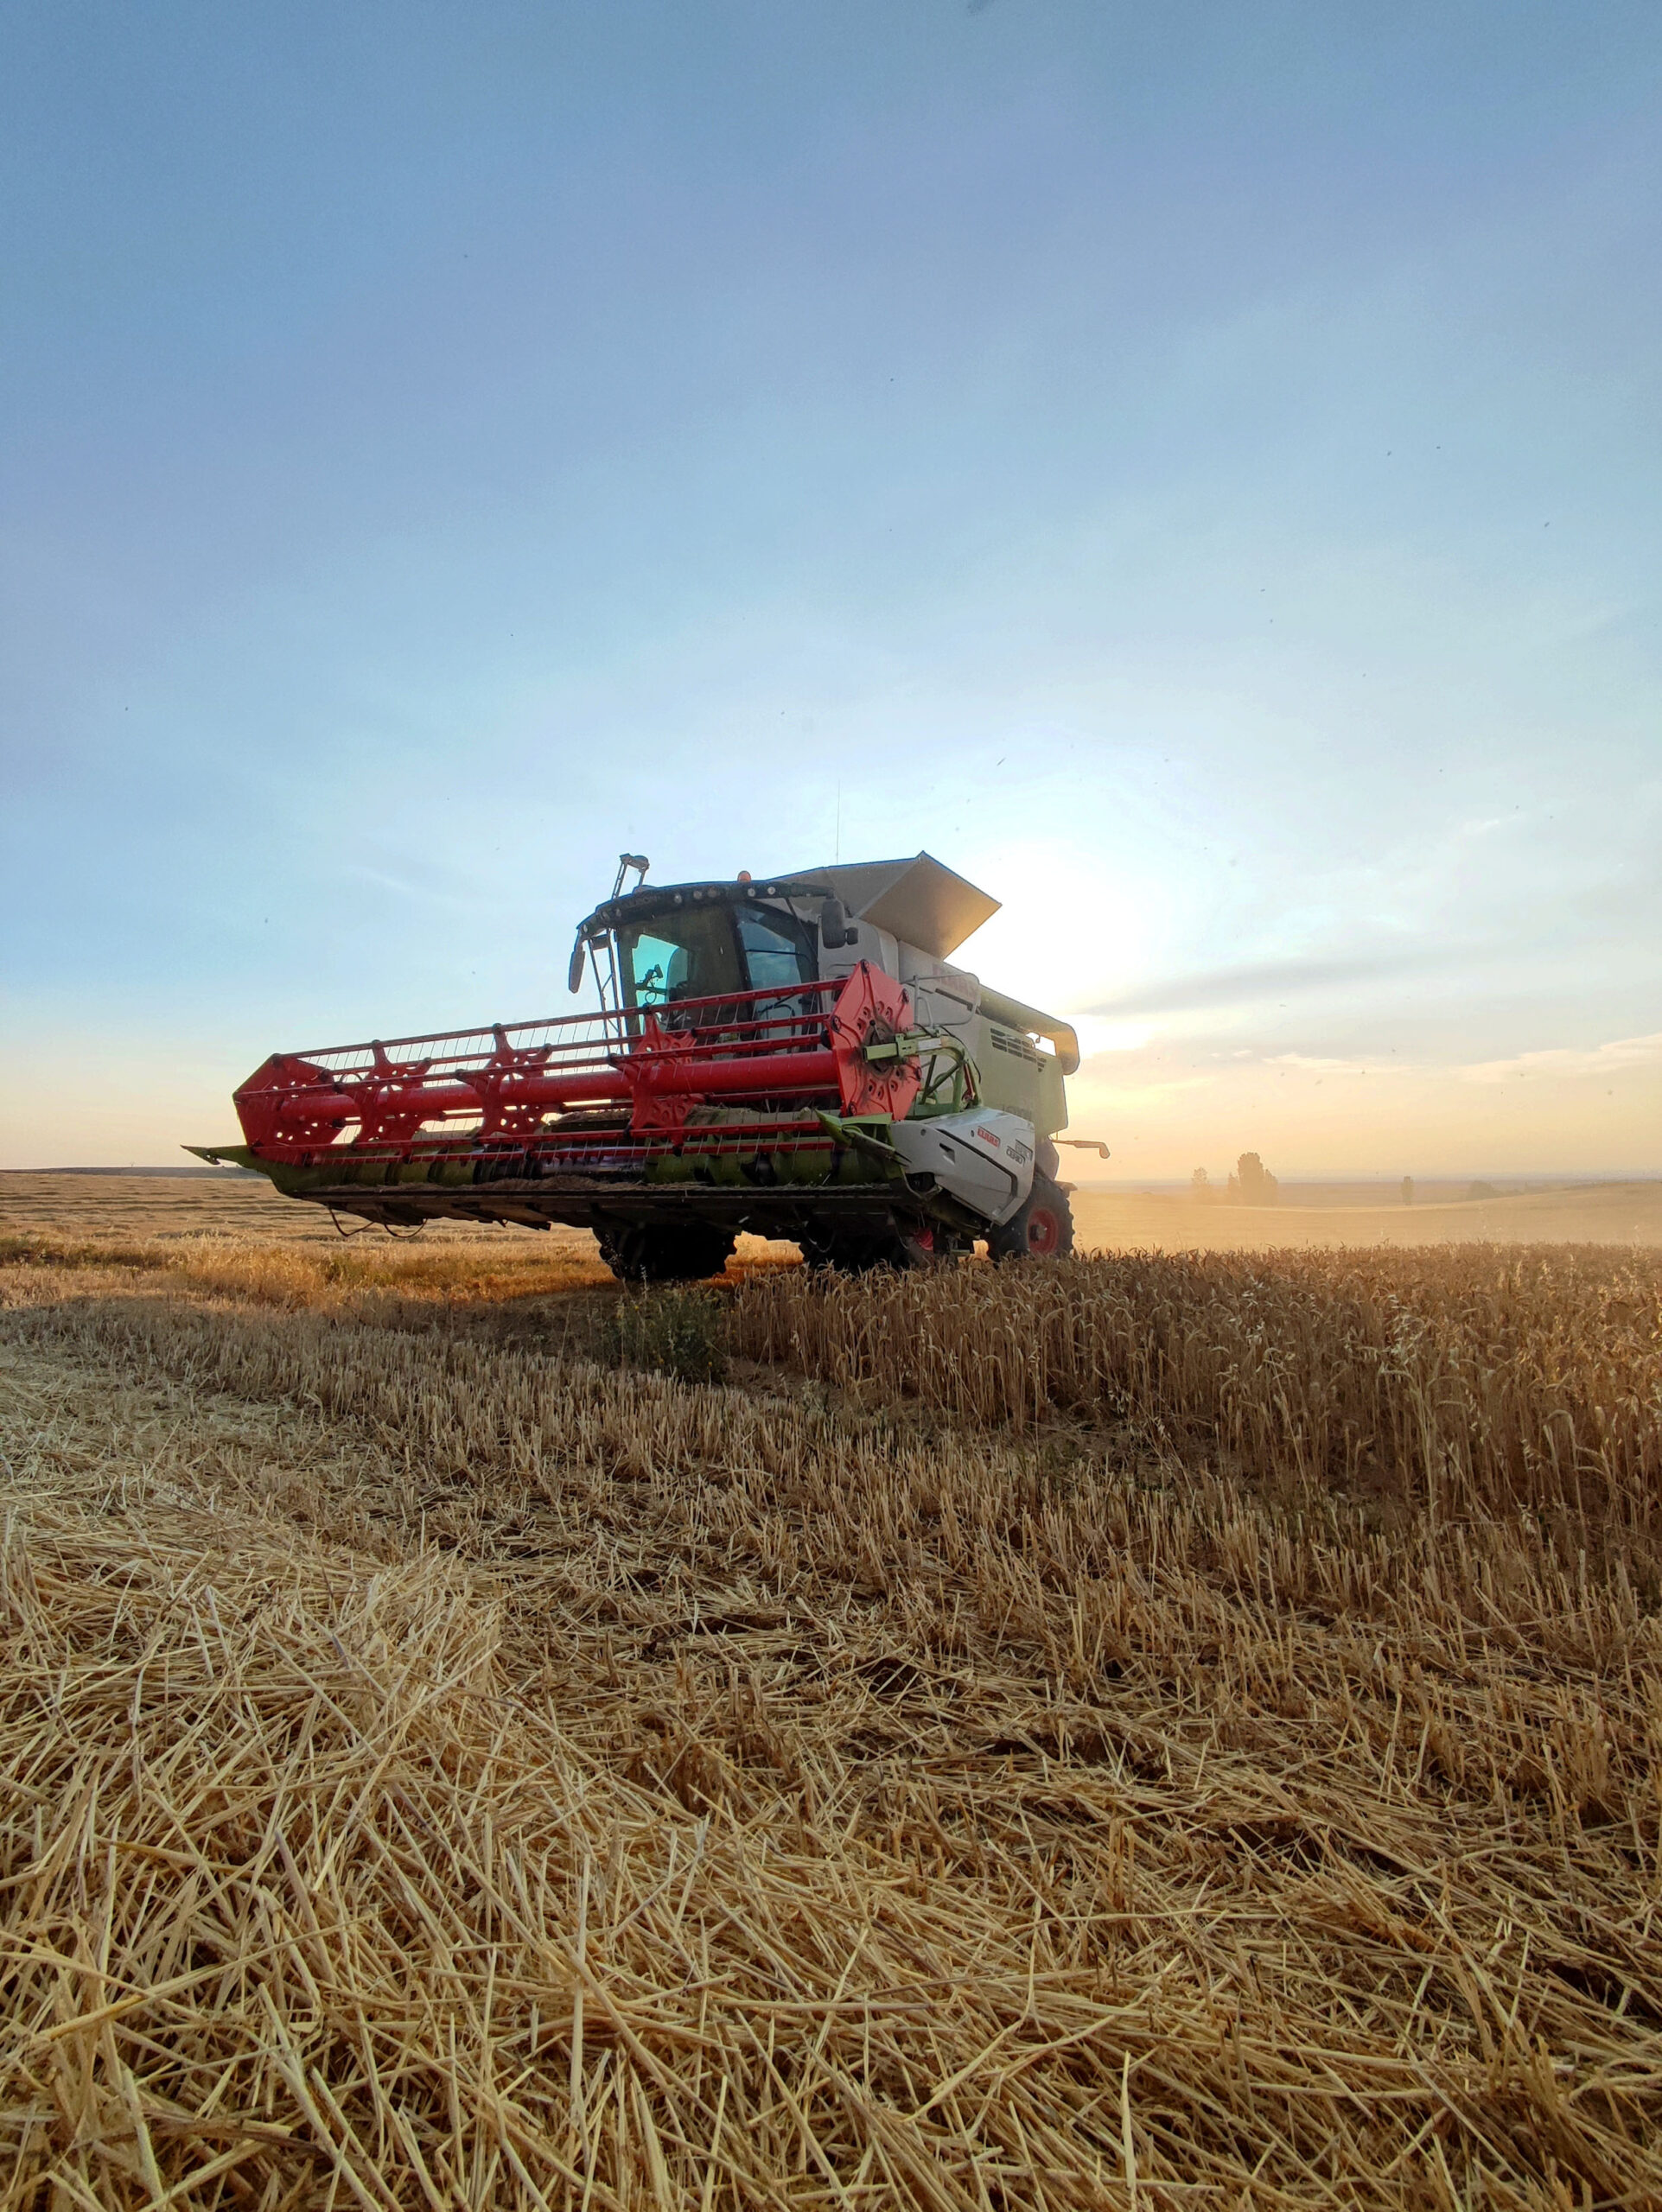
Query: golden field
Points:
[1597, 1213]
[173, 1207]
[1173, 1727]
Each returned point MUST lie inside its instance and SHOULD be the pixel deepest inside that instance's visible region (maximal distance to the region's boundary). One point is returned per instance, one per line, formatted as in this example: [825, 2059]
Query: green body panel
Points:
[703, 1156]
[706, 1153]
[790, 1166]
[342, 1172]
[1012, 1072]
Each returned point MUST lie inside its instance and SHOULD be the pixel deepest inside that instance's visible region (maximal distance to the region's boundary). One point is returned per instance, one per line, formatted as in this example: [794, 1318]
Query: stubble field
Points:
[1165, 1728]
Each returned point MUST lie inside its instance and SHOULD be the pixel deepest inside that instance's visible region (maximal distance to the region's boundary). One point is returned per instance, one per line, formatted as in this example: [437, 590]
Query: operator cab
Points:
[704, 940]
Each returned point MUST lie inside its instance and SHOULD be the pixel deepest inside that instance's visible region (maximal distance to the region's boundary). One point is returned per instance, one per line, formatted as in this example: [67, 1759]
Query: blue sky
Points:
[1195, 469]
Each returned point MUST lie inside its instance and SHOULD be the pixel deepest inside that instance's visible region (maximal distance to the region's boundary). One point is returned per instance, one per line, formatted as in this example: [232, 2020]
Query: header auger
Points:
[795, 1058]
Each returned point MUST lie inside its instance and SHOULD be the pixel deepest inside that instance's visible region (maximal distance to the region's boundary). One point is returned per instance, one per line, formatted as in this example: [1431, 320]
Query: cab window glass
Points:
[679, 955]
[655, 964]
[778, 948]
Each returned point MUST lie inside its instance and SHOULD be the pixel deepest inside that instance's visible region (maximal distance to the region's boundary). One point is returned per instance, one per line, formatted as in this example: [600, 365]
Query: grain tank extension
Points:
[794, 1056]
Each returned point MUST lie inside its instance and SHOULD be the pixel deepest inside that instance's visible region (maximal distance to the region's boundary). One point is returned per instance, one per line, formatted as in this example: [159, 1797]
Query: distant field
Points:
[1605, 1213]
[1160, 1730]
[172, 1208]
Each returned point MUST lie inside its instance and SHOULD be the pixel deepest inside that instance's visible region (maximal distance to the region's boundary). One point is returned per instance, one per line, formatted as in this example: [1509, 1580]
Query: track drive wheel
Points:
[1043, 1230]
[894, 1247]
[684, 1251]
[931, 1247]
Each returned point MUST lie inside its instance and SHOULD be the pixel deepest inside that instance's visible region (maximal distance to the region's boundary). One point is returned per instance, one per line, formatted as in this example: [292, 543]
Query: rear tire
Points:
[684, 1251]
[1043, 1230]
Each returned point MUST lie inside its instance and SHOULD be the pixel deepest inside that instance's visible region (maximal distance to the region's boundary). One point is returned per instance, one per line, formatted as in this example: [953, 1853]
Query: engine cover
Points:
[984, 1159]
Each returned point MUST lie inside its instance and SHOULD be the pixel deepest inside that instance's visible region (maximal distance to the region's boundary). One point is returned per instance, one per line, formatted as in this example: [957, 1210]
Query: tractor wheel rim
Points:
[1044, 1232]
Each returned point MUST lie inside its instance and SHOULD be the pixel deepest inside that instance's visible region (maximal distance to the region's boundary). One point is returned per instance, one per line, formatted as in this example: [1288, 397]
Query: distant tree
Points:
[1482, 1191]
[1408, 1190]
[1253, 1185]
[1200, 1185]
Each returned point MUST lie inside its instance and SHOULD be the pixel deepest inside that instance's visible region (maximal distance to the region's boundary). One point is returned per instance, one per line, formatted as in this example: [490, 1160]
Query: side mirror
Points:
[835, 928]
[574, 973]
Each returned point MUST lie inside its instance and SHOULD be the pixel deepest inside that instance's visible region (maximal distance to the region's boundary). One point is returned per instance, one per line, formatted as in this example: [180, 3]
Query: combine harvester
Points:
[795, 1058]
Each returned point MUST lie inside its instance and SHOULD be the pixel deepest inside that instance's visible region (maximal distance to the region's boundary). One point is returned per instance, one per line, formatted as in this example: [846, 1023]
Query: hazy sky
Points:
[1195, 469]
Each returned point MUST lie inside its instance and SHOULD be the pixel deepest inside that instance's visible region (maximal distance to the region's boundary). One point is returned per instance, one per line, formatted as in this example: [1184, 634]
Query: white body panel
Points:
[983, 1158]
[873, 945]
[1014, 1075]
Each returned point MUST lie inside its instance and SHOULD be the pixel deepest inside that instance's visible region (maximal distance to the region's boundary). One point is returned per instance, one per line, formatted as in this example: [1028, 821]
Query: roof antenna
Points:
[638, 861]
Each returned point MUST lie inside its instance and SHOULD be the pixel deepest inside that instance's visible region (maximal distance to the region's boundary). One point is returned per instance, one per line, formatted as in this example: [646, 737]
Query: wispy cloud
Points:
[1314, 1064]
[1250, 983]
[1213, 1065]
[1614, 1059]
[1097, 1036]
